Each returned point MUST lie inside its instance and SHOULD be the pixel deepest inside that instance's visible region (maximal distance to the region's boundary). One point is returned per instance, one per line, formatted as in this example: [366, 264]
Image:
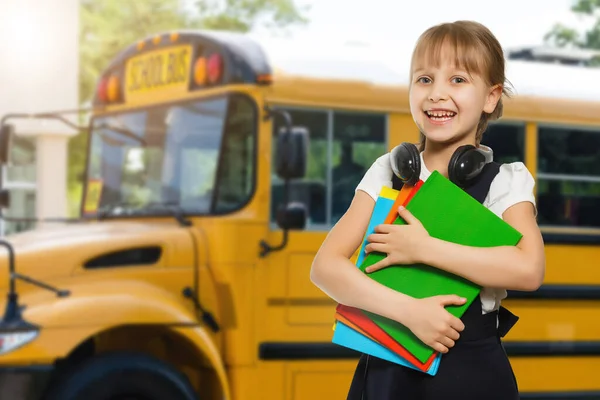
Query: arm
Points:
[520, 267]
[334, 273]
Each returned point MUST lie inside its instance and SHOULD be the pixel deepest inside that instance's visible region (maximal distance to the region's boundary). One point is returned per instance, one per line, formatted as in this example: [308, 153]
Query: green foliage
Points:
[243, 15]
[109, 26]
[561, 35]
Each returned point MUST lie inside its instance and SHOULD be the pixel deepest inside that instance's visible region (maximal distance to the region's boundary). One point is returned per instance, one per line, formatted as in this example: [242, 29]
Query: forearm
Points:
[505, 267]
[345, 283]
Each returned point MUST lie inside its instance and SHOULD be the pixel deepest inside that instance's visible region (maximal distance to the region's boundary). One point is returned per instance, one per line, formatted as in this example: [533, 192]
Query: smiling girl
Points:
[456, 85]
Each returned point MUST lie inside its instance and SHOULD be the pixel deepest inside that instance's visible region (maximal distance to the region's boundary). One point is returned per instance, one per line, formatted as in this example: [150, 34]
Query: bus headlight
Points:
[10, 341]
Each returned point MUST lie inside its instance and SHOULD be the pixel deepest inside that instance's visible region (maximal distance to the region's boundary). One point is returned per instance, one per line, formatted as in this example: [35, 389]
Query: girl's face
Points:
[446, 101]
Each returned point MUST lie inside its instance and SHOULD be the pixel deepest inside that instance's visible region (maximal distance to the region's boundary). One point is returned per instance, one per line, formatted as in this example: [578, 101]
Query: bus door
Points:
[296, 328]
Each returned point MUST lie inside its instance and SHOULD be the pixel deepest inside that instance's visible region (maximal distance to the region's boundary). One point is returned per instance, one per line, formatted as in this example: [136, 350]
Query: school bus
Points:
[216, 166]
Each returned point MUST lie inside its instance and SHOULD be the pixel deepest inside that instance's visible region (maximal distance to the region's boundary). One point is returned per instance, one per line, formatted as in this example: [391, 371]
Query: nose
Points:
[438, 92]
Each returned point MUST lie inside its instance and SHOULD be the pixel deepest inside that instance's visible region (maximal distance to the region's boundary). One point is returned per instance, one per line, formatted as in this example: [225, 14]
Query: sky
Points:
[515, 22]
[375, 38]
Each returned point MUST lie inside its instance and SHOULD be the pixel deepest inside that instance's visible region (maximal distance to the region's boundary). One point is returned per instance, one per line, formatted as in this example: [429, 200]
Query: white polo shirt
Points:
[513, 184]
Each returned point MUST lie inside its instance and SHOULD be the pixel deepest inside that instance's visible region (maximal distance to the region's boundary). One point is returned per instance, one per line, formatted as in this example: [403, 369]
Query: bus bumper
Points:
[24, 382]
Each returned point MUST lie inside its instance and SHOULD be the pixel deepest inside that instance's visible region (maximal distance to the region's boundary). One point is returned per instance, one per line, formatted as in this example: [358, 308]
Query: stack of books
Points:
[448, 213]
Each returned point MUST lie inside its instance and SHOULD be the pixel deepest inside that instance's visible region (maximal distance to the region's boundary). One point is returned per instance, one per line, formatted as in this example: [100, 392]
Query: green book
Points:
[448, 213]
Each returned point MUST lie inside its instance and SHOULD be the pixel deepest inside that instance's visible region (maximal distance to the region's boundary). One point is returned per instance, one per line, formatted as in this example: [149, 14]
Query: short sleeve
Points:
[513, 184]
[377, 176]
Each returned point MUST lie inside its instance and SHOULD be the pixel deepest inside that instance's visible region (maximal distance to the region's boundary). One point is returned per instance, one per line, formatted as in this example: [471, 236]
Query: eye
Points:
[424, 79]
[458, 79]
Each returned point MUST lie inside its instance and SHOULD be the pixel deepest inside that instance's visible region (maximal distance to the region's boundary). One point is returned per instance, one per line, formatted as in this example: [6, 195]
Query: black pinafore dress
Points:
[476, 368]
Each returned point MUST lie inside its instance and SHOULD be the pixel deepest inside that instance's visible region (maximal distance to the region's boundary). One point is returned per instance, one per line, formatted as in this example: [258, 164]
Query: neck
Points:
[436, 156]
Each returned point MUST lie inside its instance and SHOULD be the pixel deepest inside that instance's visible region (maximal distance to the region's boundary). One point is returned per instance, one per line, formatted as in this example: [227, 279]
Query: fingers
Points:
[451, 300]
[440, 348]
[456, 324]
[452, 333]
[446, 342]
[378, 265]
[377, 238]
[379, 247]
[383, 228]
[407, 215]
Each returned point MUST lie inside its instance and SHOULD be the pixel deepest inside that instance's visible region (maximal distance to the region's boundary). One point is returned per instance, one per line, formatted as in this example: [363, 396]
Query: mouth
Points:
[440, 115]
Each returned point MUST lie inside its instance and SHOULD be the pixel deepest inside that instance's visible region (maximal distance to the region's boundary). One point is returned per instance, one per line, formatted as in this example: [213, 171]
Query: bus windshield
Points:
[198, 156]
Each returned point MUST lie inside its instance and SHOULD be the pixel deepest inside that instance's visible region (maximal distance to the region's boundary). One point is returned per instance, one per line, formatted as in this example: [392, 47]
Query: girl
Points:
[456, 86]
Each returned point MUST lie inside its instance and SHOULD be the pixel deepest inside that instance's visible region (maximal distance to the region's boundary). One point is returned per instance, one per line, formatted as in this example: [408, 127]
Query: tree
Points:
[562, 36]
[108, 26]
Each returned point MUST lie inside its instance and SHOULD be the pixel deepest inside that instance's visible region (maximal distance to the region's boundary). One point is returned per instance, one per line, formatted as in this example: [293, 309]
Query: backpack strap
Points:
[481, 186]
[396, 182]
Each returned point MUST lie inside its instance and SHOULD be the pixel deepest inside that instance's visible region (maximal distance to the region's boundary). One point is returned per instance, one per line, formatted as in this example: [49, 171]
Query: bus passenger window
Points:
[311, 189]
[358, 140]
[568, 178]
[507, 140]
[343, 145]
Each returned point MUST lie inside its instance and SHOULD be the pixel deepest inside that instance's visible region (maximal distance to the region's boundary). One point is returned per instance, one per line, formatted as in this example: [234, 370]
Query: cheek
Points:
[416, 108]
[470, 103]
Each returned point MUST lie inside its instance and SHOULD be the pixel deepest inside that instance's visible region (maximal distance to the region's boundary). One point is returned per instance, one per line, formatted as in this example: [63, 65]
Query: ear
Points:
[492, 99]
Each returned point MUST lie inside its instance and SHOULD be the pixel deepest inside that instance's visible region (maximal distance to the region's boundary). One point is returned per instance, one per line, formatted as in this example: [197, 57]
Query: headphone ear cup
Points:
[466, 163]
[405, 161]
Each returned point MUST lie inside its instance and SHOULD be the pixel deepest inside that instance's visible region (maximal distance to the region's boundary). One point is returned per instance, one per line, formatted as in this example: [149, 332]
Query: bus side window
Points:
[337, 161]
[358, 140]
[568, 177]
[311, 189]
[507, 140]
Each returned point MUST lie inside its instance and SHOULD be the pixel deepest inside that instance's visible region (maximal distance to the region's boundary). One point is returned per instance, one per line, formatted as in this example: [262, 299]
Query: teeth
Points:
[440, 114]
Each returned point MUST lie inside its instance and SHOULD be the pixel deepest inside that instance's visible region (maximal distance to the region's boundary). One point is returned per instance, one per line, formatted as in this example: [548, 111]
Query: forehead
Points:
[448, 52]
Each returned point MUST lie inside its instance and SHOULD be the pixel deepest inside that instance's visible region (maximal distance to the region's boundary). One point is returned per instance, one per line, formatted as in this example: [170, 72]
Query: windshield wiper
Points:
[110, 209]
[175, 209]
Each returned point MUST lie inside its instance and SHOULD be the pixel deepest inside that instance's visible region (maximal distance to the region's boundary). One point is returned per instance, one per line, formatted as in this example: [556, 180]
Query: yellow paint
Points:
[531, 148]
[257, 300]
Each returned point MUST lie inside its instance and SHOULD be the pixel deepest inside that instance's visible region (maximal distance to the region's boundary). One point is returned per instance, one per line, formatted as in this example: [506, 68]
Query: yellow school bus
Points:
[216, 166]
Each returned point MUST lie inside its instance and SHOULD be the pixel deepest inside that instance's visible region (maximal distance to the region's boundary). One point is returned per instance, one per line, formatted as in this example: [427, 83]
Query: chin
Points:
[444, 136]
[441, 137]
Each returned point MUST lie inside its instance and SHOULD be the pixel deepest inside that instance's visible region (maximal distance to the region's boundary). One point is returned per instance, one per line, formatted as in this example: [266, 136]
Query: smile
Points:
[440, 115]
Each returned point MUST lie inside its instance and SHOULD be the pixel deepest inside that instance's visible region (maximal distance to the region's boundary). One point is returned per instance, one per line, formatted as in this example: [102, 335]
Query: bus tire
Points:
[123, 375]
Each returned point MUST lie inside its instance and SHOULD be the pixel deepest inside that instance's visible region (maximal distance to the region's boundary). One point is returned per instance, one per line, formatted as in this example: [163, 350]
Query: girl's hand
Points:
[432, 323]
[403, 244]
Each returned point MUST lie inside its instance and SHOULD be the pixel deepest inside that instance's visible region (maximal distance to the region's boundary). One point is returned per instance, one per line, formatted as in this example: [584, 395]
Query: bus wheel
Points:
[123, 376]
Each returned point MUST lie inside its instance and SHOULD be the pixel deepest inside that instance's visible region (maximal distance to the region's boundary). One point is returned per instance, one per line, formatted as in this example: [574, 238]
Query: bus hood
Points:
[59, 252]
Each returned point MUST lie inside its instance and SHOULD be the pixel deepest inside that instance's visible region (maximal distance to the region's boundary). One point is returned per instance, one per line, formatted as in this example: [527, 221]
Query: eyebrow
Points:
[454, 70]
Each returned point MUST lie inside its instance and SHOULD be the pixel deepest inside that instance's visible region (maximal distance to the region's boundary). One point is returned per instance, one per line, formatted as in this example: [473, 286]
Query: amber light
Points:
[113, 89]
[264, 79]
[200, 71]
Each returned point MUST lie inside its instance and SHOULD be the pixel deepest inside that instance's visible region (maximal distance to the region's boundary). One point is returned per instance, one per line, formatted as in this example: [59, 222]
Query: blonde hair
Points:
[475, 49]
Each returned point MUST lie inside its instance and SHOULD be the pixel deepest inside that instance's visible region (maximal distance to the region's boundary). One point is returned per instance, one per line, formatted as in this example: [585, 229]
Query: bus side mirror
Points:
[292, 152]
[6, 134]
[4, 198]
[292, 216]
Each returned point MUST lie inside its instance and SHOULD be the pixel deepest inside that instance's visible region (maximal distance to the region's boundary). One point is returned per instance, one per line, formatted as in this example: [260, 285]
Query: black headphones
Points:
[464, 166]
